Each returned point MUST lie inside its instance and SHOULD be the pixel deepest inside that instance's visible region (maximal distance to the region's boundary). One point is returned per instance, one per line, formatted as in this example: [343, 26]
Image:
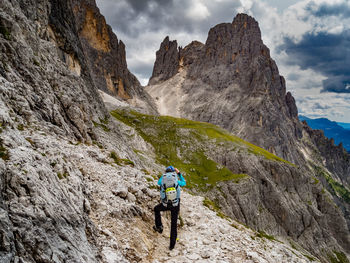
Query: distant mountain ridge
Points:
[344, 125]
[331, 129]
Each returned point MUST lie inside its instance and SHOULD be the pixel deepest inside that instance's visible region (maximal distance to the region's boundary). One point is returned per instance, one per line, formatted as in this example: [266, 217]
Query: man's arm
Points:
[160, 180]
[182, 181]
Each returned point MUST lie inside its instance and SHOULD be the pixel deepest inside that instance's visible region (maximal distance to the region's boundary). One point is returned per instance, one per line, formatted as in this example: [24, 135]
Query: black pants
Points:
[174, 214]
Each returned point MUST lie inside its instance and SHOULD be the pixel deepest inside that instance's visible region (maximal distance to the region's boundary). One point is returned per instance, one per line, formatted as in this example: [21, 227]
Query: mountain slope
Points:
[232, 81]
[104, 54]
[331, 130]
[248, 183]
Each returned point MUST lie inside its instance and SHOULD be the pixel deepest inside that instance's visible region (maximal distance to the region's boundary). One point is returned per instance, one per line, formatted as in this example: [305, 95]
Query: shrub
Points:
[5, 32]
[3, 152]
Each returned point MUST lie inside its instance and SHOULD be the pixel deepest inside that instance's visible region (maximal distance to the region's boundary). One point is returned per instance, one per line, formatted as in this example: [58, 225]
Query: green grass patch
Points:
[316, 181]
[337, 188]
[77, 143]
[146, 172]
[36, 63]
[152, 186]
[120, 161]
[338, 257]
[98, 144]
[294, 245]
[20, 127]
[181, 221]
[235, 226]
[30, 141]
[104, 121]
[263, 234]
[310, 258]
[103, 125]
[184, 144]
[62, 176]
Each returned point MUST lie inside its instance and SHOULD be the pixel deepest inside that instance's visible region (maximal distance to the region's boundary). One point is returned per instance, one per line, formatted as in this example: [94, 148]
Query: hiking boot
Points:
[158, 229]
[171, 247]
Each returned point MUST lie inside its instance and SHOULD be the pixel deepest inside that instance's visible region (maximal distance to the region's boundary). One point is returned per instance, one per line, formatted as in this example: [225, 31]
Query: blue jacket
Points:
[181, 182]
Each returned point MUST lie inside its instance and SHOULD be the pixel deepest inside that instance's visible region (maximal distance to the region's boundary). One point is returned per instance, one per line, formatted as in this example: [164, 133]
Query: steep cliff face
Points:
[41, 60]
[46, 95]
[167, 61]
[232, 81]
[105, 56]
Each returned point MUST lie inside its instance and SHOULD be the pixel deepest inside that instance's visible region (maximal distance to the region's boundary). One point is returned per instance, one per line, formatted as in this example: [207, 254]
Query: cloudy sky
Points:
[309, 40]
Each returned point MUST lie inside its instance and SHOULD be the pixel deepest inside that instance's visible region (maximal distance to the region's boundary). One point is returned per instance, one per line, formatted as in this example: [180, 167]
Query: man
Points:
[169, 183]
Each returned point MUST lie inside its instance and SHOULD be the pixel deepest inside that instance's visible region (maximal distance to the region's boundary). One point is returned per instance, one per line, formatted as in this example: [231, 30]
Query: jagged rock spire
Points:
[167, 61]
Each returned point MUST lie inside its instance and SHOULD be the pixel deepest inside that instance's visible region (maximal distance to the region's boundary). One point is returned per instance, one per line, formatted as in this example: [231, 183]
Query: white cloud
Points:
[197, 10]
[324, 105]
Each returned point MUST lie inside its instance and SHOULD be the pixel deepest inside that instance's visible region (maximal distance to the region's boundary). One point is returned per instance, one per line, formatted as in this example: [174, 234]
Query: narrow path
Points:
[205, 237]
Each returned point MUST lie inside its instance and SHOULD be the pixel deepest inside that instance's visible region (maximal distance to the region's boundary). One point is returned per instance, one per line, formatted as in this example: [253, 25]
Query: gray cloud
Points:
[137, 22]
[318, 105]
[293, 76]
[326, 9]
[326, 53]
[132, 17]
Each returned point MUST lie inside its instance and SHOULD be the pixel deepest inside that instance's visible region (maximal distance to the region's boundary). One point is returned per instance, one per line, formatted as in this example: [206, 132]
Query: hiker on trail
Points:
[169, 183]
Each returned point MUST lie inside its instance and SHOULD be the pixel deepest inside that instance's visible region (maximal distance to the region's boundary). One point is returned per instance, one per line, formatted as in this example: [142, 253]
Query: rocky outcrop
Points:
[335, 158]
[40, 69]
[167, 61]
[233, 82]
[285, 202]
[105, 56]
[45, 91]
[336, 162]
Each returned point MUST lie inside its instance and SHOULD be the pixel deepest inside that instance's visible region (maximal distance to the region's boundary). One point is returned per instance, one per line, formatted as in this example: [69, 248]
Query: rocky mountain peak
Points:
[242, 37]
[232, 81]
[247, 24]
[167, 61]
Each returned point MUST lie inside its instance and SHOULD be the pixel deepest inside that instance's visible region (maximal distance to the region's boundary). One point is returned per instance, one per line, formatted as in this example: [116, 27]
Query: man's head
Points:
[170, 169]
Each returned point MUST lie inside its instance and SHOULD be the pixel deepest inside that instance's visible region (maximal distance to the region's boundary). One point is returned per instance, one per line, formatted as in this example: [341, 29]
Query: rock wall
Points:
[283, 201]
[106, 58]
[167, 61]
[46, 88]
